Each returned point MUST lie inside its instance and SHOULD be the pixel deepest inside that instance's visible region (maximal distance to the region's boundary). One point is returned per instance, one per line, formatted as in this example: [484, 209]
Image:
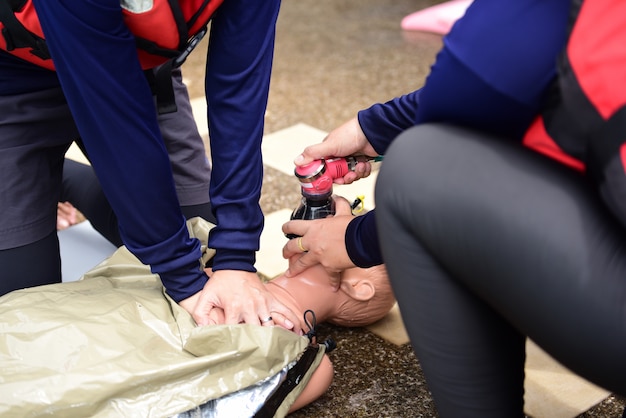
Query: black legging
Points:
[82, 189]
[487, 243]
[31, 265]
[39, 263]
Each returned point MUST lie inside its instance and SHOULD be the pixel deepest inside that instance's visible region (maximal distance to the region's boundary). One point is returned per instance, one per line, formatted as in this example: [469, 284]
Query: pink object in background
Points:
[437, 19]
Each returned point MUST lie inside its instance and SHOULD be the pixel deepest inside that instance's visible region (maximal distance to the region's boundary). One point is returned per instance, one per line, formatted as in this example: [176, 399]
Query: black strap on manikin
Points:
[16, 35]
[293, 379]
[296, 373]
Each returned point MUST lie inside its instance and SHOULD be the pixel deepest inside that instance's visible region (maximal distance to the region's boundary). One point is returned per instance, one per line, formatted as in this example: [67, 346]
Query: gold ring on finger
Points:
[304, 250]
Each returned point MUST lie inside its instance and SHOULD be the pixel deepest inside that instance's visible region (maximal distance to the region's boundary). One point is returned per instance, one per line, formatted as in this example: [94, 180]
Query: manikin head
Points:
[368, 297]
[364, 295]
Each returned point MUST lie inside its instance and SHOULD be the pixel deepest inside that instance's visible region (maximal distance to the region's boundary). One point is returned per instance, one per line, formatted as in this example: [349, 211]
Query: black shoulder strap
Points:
[163, 89]
[15, 33]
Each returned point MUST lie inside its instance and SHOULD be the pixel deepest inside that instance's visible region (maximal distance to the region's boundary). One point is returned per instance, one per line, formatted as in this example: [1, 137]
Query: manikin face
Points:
[364, 295]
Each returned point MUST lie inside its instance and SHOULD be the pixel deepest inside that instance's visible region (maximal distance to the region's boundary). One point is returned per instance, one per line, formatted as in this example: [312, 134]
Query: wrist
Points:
[361, 241]
[227, 259]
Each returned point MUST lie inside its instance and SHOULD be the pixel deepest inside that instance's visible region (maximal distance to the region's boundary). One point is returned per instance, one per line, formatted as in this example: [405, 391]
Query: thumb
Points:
[342, 206]
[312, 153]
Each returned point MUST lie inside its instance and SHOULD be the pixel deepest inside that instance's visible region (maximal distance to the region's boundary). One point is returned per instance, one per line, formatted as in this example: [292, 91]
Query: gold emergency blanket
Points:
[113, 344]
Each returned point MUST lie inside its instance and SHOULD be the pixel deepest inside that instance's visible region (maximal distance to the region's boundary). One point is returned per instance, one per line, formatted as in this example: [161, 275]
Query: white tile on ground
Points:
[82, 248]
[554, 391]
[76, 154]
[391, 328]
[198, 108]
[269, 259]
[363, 187]
[281, 147]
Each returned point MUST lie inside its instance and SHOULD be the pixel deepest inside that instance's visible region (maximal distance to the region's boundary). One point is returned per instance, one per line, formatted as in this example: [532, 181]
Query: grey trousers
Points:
[488, 243]
[190, 167]
[33, 142]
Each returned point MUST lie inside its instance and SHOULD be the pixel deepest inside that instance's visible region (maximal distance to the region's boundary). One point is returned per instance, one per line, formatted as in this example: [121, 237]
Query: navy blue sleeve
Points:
[492, 74]
[362, 242]
[237, 84]
[382, 122]
[98, 68]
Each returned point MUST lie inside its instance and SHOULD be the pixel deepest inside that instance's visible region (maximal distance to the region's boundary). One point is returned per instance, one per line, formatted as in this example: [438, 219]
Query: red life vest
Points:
[585, 121]
[164, 29]
[584, 124]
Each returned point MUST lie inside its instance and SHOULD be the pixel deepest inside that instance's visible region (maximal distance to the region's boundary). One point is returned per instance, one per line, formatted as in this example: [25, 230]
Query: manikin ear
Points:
[361, 290]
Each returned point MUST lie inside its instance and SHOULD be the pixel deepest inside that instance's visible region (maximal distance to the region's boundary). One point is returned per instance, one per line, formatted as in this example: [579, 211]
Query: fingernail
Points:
[289, 324]
[299, 159]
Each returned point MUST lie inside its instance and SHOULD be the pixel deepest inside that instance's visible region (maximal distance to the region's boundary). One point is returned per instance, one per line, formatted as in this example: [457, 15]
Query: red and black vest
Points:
[164, 29]
[584, 123]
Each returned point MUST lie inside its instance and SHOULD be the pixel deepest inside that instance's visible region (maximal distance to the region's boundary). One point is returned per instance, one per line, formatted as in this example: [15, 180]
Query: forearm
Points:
[362, 242]
[237, 86]
[112, 105]
[498, 87]
[382, 123]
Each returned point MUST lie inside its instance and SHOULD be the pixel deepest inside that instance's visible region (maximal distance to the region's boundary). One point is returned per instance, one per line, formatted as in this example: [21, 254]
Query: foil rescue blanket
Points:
[114, 344]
